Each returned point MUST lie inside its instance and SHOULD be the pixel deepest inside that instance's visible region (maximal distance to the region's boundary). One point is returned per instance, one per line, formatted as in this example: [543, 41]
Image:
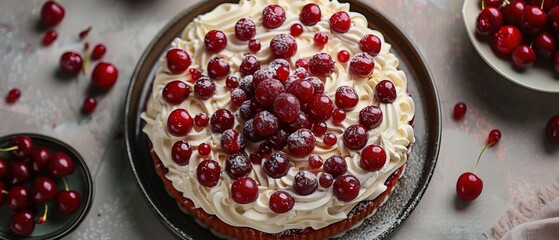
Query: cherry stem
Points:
[65, 183]
[8, 149]
[542, 4]
[43, 218]
[507, 2]
[481, 153]
[482, 4]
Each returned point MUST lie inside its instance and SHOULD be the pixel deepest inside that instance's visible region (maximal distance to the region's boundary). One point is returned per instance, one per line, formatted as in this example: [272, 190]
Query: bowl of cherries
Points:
[519, 39]
[46, 189]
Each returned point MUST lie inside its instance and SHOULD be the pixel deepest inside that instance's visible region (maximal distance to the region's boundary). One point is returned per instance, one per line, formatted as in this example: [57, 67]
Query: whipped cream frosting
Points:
[320, 208]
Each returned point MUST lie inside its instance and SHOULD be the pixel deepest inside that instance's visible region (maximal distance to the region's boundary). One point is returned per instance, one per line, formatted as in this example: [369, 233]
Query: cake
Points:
[282, 120]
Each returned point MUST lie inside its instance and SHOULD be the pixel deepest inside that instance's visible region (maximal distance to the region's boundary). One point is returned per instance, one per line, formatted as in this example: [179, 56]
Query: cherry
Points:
[104, 75]
[279, 140]
[319, 128]
[43, 190]
[2, 191]
[231, 82]
[49, 37]
[315, 161]
[98, 51]
[277, 165]
[22, 223]
[245, 29]
[338, 115]
[61, 165]
[494, 137]
[370, 44]
[329, 139]
[553, 16]
[301, 122]
[244, 190]
[523, 57]
[281, 202]
[325, 180]
[218, 68]
[181, 152]
[286, 107]
[52, 13]
[355, 137]
[71, 63]
[179, 122]
[320, 108]
[301, 143]
[362, 64]
[493, 3]
[222, 120]
[506, 40]
[545, 44]
[296, 30]
[551, 130]
[24, 146]
[282, 73]
[175, 92]
[232, 141]
[266, 124]
[370, 117]
[373, 158]
[201, 120]
[302, 63]
[195, 74]
[263, 75]
[283, 46]
[254, 45]
[3, 171]
[215, 41]
[13, 95]
[303, 90]
[459, 110]
[335, 165]
[204, 149]
[208, 173]
[385, 91]
[512, 13]
[343, 56]
[204, 88]
[18, 198]
[249, 65]
[18, 172]
[489, 21]
[237, 166]
[534, 19]
[346, 187]
[238, 97]
[305, 183]
[277, 63]
[247, 110]
[317, 84]
[67, 201]
[310, 14]
[177, 60]
[267, 91]
[320, 39]
[346, 98]
[469, 186]
[89, 105]
[321, 64]
[340, 22]
[273, 16]
[249, 132]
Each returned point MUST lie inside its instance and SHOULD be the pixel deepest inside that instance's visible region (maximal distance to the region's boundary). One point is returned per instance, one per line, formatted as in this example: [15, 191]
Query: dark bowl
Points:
[58, 225]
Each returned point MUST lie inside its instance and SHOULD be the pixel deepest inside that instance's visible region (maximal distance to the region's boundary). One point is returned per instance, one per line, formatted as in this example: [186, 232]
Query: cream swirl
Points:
[320, 208]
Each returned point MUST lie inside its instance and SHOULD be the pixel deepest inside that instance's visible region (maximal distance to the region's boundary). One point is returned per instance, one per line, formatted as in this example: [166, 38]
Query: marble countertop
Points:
[515, 169]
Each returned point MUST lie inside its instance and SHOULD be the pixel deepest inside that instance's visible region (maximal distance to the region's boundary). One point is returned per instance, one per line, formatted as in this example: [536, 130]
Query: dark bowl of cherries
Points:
[46, 189]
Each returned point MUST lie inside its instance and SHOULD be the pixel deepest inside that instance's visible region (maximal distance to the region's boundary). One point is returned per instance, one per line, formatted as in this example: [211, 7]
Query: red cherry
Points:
[177, 60]
[325, 180]
[494, 137]
[338, 115]
[254, 45]
[22, 223]
[104, 75]
[534, 19]
[49, 37]
[286, 107]
[320, 39]
[512, 13]
[346, 187]
[201, 120]
[320, 108]
[317, 84]
[13, 95]
[249, 132]
[301, 122]
[231, 82]
[553, 16]
[43, 190]
[545, 44]
[506, 40]
[301, 143]
[459, 110]
[238, 97]
[489, 21]
[330, 139]
[340, 22]
[321, 64]
[523, 57]
[71, 63]
[343, 56]
[18, 172]
[373, 158]
[370, 44]
[303, 90]
[315, 161]
[179, 122]
[89, 105]
[282, 73]
[355, 137]
[263, 75]
[335, 165]
[215, 41]
[281, 202]
[181, 152]
[204, 149]
[67, 201]
[469, 186]
[24, 147]
[370, 117]
[273, 16]
[305, 183]
[279, 140]
[61, 165]
[493, 3]
[385, 92]
[84, 33]
[52, 13]
[237, 166]
[296, 30]
[222, 120]
[98, 51]
[208, 173]
[245, 29]
[218, 68]
[244, 190]
[551, 130]
[283, 46]
[266, 124]
[319, 128]
[249, 65]
[204, 88]
[346, 98]
[232, 141]
[310, 14]
[18, 198]
[267, 91]
[195, 74]
[277, 165]
[362, 64]
[302, 63]
[175, 92]
[3, 172]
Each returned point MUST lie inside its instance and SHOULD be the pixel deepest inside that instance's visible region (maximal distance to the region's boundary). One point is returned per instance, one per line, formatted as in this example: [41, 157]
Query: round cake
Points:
[279, 121]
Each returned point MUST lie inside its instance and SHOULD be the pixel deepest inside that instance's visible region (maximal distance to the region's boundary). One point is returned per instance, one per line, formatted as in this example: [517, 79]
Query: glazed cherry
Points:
[179, 122]
[204, 149]
[61, 165]
[281, 202]
[231, 82]
[346, 187]
[315, 161]
[303, 90]
[385, 91]
[18, 198]
[489, 21]
[469, 186]
[98, 51]
[43, 190]
[204, 88]
[310, 14]
[238, 97]
[523, 57]
[249, 131]
[370, 117]
[305, 183]
[340, 22]
[177, 60]
[255, 158]
[301, 122]
[282, 73]
[506, 40]
[545, 45]
[249, 65]
[321, 64]
[319, 128]
[175, 92]
[320, 39]
[355, 137]
[338, 115]
[296, 30]
[245, 29]
[279, 140]
[343, 56]
[329, 139]
[302, 63]
[244, 190]
[49, 37]
[373, 158]
[40, 160]
[232, 141]
[266, 124]
[237, 165]
[263, 75]
[18, 172]
[277, 165]
[218, 68]
[22, 223]
[301, 143]
[325, 180]
[370, 44]
[52, 13]
[3, 171]
[494, 137]
[24, 147]
[320, 108]
[283, 46]
[248, 110]
[13, 95]
[67, 201]
[201, 120]
[222, 120]
[346, 98]
[534, 19]
[362, 64]
[181, 152]
[286, 107]
[104, 75]
[335, 165]
[459, 110]
[273, 16]
[551, 130]
[318, 85]
[278, 62]
[512, 13]
[254, 45]
[208, 173]
[195, 74]
[71, 63]
[89, 105]
[215, 41]
[267, 91]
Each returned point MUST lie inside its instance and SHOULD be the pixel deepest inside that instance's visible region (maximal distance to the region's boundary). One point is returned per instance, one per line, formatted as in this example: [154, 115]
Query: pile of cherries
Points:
[521, 30]
[283, 108]
[28, 182]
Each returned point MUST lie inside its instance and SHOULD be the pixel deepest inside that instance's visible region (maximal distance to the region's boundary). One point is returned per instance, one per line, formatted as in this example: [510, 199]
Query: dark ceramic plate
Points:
[58, 225]
[391, 215]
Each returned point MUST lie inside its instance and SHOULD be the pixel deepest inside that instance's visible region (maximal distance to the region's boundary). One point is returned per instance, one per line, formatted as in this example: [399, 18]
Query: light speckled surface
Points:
[514, 169]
